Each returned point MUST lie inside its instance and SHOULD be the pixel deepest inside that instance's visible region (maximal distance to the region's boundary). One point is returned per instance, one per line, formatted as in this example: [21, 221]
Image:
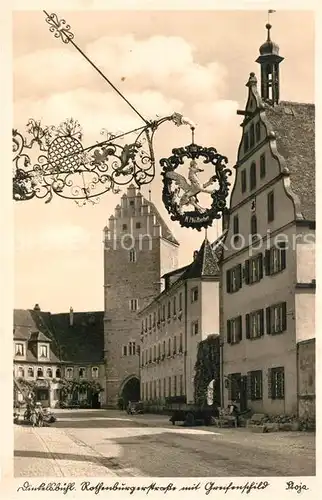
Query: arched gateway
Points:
[130, 390]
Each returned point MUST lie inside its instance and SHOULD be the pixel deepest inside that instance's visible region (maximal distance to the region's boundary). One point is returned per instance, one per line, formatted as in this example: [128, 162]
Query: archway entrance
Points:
[131, 391]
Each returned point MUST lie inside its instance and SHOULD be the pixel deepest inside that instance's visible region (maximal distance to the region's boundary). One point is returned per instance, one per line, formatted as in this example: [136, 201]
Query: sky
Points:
[195, 63]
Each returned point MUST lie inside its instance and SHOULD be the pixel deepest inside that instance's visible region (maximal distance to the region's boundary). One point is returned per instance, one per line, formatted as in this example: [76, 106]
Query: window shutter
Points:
[240, 327]
[249, 385]
[247, 326]
[228, 331]
[283, 255]
[262, 321]
[267, 262]
[239, 275]
[247, 272]
[269, 383]
[268, 321]
[228, 281]
[260, 264]
[284, 319]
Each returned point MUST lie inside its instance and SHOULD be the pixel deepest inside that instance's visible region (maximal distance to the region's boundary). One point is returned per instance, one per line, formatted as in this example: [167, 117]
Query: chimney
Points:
[195, 254]
[71, 316]
[36, 308]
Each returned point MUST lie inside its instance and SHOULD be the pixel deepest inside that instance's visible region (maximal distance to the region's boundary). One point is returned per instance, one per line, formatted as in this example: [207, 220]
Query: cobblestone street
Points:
[110, 443]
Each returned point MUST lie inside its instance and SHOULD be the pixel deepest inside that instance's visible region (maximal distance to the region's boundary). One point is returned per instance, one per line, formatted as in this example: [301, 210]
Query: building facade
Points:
[268, 268]
[138, 249]
[51, 350]
[174, 323]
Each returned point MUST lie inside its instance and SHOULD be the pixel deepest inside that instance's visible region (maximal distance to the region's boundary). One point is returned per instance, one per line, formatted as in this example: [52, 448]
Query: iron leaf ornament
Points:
[180, 195]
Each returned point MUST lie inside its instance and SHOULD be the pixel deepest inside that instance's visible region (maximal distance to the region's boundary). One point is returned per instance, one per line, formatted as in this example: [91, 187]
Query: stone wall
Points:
[306, 379]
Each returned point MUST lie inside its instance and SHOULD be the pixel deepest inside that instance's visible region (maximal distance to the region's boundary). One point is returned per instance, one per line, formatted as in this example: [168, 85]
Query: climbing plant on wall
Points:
[71, 387]
[206, 367]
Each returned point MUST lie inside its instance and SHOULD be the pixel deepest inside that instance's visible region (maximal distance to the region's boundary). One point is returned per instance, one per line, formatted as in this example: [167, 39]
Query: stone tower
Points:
[138, 249]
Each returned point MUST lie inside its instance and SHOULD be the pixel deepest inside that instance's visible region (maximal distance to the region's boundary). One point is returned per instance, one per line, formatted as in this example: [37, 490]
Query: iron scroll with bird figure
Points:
[180, 193]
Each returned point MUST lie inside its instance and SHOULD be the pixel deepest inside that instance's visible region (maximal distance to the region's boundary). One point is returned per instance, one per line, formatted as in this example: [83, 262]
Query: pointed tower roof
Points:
[269, 47]
[204, 265]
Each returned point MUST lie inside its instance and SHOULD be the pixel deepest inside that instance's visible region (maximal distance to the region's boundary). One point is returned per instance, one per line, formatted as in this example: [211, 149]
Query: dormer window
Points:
[43, 351]
[58, 373]
[19, 349]
[69, 372]
[30, 372]
[94, 372]
[40, 372]
[82, 372]
[49, 373]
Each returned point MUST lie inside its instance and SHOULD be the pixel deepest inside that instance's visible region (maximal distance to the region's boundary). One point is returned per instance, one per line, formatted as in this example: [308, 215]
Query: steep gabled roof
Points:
[294, 127]
[204, 265]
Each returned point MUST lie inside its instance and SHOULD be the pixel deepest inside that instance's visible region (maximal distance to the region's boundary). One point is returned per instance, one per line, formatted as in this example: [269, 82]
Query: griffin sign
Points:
[180, 192]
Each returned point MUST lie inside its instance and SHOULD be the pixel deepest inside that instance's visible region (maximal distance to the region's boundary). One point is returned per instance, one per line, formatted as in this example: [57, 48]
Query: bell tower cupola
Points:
[269, 61]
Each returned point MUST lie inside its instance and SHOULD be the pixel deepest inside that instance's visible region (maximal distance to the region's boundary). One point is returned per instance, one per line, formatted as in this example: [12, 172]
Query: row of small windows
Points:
[137, 226]
[274, 261]
[49, 372]
[159, 352]
[275, 384]
[162, 388]
[252, 137]
[173, 308]
[253, 174]
[130, 349]
[276, 322]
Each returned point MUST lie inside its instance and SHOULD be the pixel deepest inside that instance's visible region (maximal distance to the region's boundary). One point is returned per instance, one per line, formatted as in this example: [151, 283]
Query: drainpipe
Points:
[185, 335]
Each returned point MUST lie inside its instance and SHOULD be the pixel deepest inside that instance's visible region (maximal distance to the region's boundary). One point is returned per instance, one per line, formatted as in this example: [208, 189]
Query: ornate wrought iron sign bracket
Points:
[180, 193]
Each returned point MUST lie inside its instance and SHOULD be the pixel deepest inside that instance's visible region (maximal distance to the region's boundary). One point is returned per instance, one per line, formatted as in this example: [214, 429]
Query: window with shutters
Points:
[275, 259]
[243, 180]
[258, 131]
[234, 386]
[256, 385]
[255, 324]
[234, 330]
[234, 279]
[276, 318]
[262, 166]
[277, 382]
[246, 142]
[270, 207]
[252, 176]
[253, 269]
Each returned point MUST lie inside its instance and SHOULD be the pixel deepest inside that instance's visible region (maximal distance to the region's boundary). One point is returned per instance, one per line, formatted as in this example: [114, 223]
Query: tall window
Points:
[270, 207]
[180, 343]
[150, 321]
[43, 351]
[154, 319]
[132, 350]
[154, 353]
[255, 381]
[69, 372]
[58, 373]
[82, 373]
[30, 372]
[252, 176]
[258, 131]
[134, 304]
[169, 309]
[194, 328]
[174, 385]
[132, 255]
[175, 345]
[180, 301]
[94, 372]
[262, 166]
[19, 349]
[234, 279]
[236, 224]
[275, 259]
[163, 349]
[252, 136]
[21, 372]
[181, 389]
[169, 382]
[169, 347]
[243, 181]
[277, 383]
[194, 294]
[253, 225]
[49, 373]
[124, 350]
[40, 372]
[253, 269]
[174, 306]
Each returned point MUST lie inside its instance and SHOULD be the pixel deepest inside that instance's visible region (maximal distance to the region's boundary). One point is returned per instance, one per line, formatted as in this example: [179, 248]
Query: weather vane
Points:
[63, 166]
